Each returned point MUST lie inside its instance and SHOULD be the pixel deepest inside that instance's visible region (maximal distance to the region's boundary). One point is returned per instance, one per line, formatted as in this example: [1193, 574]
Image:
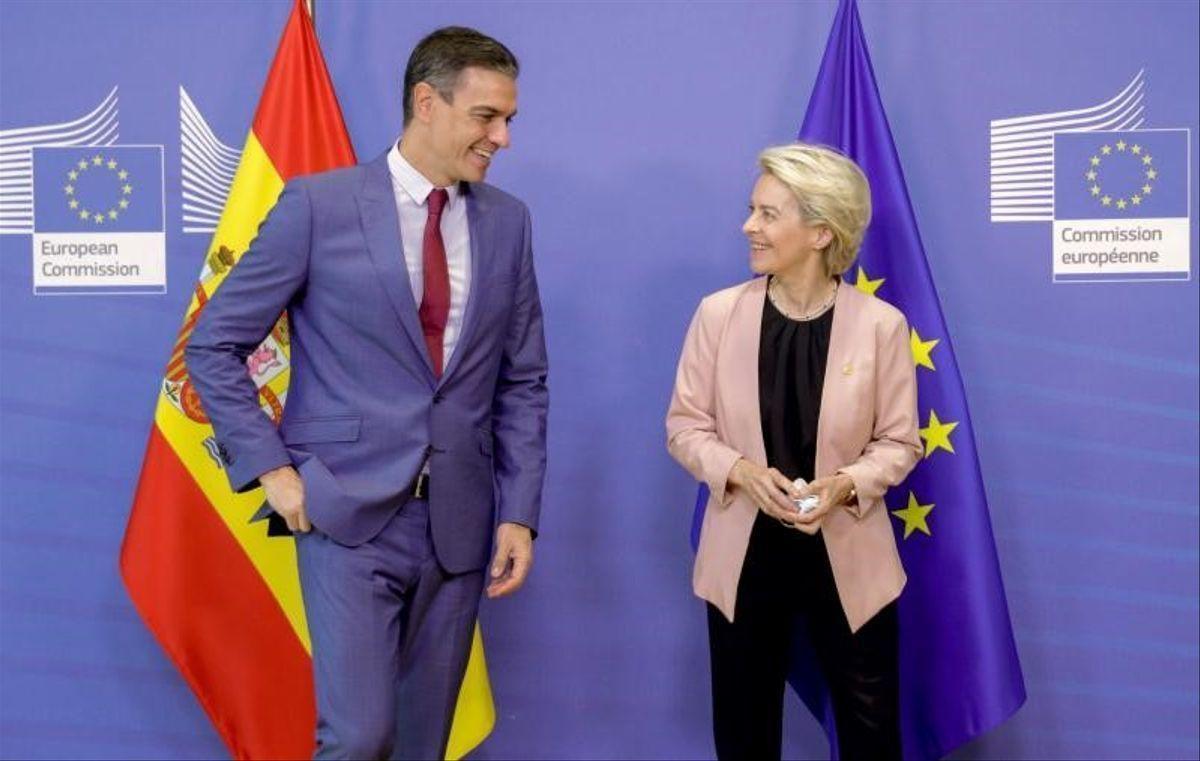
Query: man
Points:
[417, 405]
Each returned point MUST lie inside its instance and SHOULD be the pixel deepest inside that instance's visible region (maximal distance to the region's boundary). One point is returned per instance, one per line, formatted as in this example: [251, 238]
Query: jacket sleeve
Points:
[691, 418]
[895, 446]
[521, 401]
[234, 322]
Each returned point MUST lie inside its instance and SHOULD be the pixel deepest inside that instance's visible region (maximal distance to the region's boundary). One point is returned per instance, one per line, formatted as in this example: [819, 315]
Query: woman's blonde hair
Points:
[830, 189]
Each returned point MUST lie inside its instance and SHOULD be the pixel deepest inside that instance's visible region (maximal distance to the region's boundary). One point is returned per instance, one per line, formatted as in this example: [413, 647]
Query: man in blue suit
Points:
[415, 423]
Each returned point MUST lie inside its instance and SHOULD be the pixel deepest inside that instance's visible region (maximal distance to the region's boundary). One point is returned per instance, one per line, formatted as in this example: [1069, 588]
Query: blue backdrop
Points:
[635, 146]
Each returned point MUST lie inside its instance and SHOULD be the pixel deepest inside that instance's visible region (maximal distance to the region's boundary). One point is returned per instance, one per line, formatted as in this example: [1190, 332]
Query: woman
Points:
[790, 376]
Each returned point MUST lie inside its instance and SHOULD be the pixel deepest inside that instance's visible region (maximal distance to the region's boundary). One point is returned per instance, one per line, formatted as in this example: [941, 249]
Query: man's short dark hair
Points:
[439, 59]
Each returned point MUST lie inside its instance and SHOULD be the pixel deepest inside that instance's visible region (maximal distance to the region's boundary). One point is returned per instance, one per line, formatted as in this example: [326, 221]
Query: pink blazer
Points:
[867, 429]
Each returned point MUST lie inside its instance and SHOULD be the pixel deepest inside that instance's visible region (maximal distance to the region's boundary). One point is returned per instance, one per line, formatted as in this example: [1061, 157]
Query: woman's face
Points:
[780, 241]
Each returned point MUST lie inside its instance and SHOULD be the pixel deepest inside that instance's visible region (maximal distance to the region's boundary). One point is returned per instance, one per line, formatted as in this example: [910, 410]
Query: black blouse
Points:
[791, 373]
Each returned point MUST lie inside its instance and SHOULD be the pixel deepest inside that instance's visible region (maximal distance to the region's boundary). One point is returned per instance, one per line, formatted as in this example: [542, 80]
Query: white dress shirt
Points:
[412, 190]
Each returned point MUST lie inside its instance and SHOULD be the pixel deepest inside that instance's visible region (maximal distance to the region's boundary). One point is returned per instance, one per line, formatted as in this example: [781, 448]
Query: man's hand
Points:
[285, 494]
[514, 557]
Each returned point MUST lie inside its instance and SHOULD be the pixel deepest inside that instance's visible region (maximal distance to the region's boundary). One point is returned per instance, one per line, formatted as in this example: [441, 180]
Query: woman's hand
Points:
[769, 489]
[831, 491]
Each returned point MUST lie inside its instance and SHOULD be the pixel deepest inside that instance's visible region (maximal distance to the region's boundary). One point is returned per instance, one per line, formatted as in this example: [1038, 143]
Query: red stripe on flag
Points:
[299, 123]
[213, 614]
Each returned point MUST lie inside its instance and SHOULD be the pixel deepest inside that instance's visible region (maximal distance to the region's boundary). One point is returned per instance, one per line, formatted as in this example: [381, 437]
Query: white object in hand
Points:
[807, 503]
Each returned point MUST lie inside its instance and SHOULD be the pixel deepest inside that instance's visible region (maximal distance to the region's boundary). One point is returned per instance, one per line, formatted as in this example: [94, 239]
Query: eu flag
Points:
[98, 189]
[959, 671]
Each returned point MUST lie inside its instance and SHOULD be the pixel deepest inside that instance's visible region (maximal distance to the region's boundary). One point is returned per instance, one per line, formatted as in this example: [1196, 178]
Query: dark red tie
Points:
[435, 303]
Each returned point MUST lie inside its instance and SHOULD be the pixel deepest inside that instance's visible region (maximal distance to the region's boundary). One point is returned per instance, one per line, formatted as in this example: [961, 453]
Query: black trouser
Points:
[786, 575]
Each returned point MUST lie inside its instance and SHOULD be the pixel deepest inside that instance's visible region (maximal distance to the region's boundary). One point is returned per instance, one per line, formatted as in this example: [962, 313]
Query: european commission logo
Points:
[93, 207]
[98, 219]
[1121, 205]
[89, 185]
[1117, 194]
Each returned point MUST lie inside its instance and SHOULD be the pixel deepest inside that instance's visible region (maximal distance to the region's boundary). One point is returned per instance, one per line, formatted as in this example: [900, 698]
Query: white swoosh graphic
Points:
[208, 169]
[1022, 151]
[99, 127]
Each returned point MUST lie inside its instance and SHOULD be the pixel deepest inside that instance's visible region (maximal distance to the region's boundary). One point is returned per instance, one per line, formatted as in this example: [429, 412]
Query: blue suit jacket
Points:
[364, 409]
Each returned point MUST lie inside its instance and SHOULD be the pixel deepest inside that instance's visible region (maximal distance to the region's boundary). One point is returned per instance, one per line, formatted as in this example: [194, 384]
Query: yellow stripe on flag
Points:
[475, 712]
[256, 187]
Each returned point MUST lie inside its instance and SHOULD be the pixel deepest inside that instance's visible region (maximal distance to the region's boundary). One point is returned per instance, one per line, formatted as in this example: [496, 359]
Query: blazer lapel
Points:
[381, 228]
[479, 223]
[845, 315]
[740, 358]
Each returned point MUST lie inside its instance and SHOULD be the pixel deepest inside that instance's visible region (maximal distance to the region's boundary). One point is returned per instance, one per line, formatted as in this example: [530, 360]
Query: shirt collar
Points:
[406, 177]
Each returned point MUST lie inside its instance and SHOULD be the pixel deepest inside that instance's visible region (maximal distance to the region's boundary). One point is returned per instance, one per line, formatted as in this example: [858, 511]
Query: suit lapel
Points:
[479, 223]
[381, 228]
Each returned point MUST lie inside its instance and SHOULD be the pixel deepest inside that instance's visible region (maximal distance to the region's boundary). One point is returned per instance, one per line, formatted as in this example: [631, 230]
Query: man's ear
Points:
[422, 101]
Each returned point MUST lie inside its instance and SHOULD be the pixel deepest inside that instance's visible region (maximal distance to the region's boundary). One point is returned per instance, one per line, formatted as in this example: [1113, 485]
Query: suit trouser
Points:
[787, 582]
[391, 633]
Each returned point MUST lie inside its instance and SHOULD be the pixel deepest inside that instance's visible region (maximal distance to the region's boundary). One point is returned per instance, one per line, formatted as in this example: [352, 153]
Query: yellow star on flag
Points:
[1095, 160]
[863, 283]
[1106, 200]
[914, 516]
[124, 204]
[1147, 189]
[72, 175]
[1136, 200]
[921, 349]
[83, 164]
[1136, 148]
[937, 435]
[1121, 203]
[1150, 173]
[121, 175]
[112, 164]
[112, 213]
[1095, 190]
[74, 204]
[84, 214]
[99, 219]
[126, 189]
[97, 159]
[1147, 159]
[1107, 149]
[1121, 145]
[1091, 175]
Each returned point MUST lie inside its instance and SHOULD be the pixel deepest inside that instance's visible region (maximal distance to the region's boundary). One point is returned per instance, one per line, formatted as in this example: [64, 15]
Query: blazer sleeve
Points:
[234, 322]
[691, 418]
[522, 400]
[895, 447]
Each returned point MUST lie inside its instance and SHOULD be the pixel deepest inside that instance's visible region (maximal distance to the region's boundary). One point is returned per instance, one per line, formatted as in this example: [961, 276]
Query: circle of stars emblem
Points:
[109, 167]
[1146, 169]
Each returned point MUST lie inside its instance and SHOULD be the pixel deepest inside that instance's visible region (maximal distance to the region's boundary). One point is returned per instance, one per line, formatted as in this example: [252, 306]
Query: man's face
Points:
[468, 131]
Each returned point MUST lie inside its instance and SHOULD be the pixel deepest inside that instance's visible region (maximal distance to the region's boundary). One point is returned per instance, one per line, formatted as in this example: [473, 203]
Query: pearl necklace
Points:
[809, 315]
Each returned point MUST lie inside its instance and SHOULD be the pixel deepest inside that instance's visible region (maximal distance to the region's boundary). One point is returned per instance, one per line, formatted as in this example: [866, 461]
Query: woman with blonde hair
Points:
[796, 402]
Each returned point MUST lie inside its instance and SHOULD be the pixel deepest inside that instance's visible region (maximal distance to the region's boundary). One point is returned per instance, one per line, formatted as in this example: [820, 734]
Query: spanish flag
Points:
[223, 597]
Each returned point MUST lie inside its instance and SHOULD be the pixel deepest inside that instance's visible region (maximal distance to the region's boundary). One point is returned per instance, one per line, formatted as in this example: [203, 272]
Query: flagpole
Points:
[311, 7]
